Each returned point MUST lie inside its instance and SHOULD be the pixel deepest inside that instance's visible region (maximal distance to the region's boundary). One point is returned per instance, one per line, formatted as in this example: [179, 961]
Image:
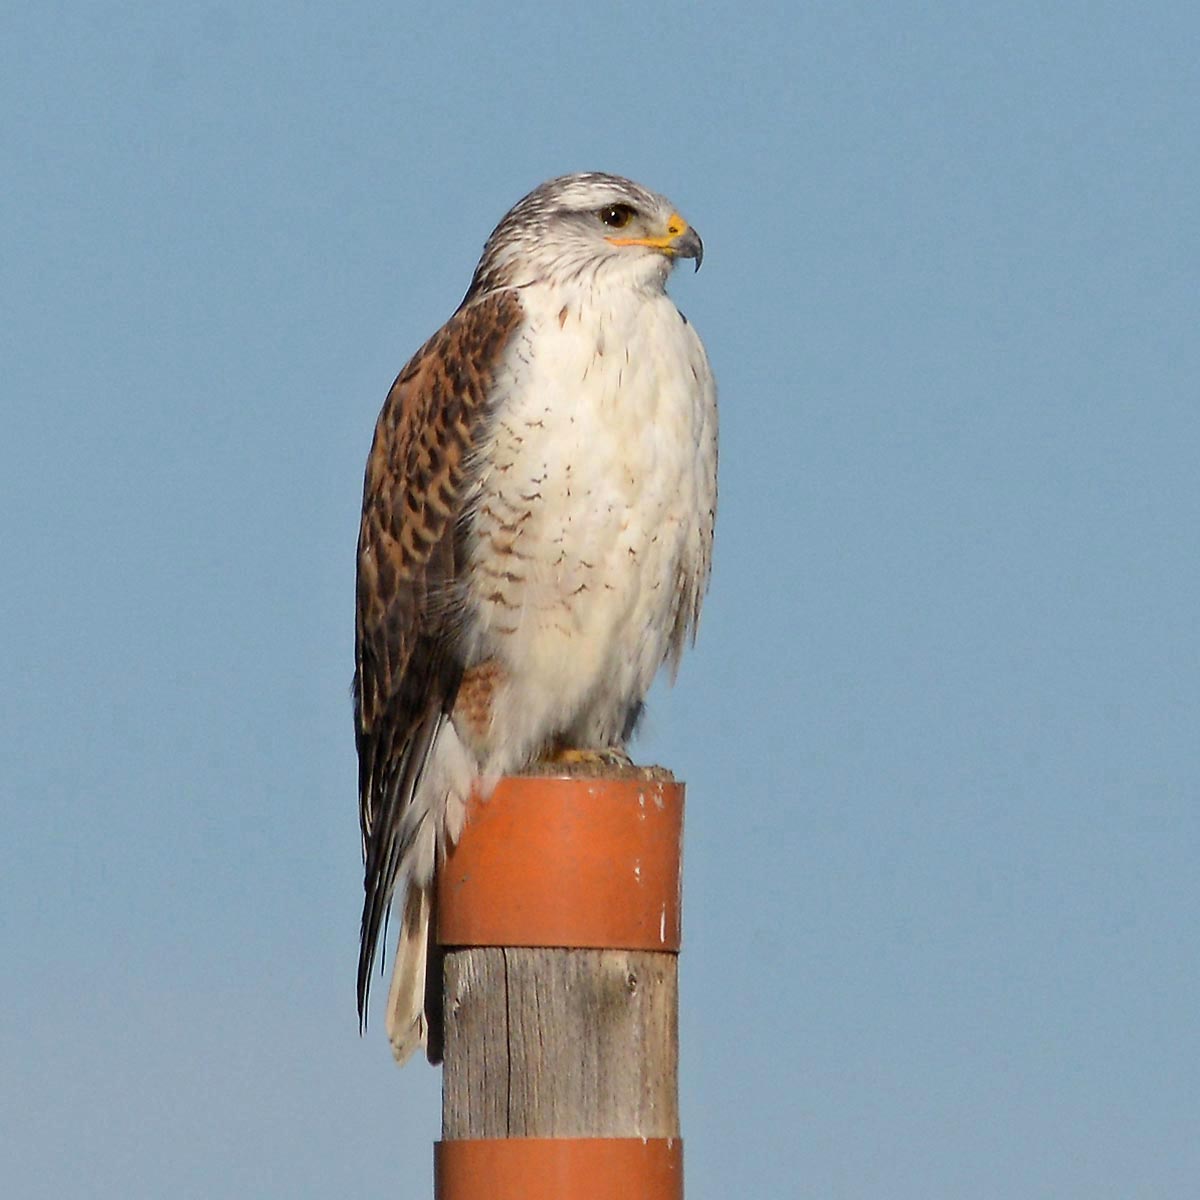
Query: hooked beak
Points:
[680, 241]
[689, 245]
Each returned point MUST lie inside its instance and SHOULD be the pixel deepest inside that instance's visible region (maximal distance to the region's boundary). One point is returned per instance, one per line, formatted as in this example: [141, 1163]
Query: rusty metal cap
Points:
[567, 862]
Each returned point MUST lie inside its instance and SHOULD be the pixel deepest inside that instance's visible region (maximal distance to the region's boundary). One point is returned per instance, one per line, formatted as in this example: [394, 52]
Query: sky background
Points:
[941, 729]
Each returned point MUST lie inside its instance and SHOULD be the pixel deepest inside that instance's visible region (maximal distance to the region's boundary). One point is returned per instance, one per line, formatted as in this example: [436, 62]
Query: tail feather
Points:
[406, 1022]
[405, 845]
[389, 839]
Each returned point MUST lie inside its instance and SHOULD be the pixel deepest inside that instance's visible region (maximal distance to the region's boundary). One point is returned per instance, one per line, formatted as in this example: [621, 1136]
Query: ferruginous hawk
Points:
[536, 535]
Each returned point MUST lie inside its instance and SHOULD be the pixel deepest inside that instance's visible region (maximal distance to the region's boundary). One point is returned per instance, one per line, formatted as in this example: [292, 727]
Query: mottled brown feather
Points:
[473, 707]
[408, 663]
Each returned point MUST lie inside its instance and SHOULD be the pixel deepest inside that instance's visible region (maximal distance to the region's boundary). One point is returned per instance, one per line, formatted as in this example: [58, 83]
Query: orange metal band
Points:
[559, 1169]
[567, 862]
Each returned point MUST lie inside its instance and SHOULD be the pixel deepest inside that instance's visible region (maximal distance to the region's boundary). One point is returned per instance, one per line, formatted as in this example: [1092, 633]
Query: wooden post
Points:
[558, 914]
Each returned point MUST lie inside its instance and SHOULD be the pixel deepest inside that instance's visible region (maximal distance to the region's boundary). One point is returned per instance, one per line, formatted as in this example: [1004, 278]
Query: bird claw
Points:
[571, 756]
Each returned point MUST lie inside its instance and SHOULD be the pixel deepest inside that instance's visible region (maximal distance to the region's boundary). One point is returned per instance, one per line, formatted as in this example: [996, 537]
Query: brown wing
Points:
[408, 663]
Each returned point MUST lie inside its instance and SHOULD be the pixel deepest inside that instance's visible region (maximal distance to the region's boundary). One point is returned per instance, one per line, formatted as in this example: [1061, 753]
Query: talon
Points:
[573, 756]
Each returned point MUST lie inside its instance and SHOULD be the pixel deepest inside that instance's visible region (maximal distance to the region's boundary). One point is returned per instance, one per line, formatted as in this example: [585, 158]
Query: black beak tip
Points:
[690, 246]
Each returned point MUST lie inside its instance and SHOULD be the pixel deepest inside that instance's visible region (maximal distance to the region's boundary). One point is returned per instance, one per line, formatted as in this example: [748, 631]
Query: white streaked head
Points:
[584, 227]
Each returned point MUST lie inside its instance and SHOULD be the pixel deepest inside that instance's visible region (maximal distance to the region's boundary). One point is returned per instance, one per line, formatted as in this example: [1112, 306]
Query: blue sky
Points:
[941, 727]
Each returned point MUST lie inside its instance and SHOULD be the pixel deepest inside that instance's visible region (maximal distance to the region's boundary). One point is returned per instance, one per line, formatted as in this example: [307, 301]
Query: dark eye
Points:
[616, 216]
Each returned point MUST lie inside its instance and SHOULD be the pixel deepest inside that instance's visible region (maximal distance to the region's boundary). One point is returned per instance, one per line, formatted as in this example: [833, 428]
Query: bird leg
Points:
[560, 755]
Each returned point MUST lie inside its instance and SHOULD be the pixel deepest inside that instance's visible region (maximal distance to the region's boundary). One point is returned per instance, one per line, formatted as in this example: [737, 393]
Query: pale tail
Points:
[405, 1020]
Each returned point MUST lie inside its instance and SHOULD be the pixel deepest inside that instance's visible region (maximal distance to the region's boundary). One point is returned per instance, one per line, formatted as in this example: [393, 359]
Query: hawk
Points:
[536, 538]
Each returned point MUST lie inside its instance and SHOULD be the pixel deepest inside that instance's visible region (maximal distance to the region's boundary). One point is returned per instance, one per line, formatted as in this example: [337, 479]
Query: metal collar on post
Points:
[567, 862]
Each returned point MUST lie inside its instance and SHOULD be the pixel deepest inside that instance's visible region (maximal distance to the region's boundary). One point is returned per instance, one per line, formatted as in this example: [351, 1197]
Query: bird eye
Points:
[616, 216]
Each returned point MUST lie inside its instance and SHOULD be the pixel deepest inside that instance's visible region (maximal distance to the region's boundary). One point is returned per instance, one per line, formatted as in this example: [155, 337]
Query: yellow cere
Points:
[676, 226]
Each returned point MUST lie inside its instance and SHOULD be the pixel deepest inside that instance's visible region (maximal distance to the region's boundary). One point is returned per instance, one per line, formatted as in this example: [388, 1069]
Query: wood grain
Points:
[560, 1043]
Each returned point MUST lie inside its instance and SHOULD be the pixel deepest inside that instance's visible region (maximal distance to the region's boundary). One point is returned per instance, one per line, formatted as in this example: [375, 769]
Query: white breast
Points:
[593, 526]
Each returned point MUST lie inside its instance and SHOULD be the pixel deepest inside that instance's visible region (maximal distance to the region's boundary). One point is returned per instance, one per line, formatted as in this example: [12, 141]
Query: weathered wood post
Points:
[559, 916]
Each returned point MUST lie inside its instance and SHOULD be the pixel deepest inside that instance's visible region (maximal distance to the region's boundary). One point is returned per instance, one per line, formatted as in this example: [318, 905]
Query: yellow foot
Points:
[570, 756]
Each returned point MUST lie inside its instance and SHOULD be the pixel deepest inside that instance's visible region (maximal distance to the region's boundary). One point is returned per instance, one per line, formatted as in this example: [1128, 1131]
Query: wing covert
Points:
[408, 661]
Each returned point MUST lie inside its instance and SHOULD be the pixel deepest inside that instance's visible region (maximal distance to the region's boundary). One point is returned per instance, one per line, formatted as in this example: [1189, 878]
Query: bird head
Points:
[587, 228]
